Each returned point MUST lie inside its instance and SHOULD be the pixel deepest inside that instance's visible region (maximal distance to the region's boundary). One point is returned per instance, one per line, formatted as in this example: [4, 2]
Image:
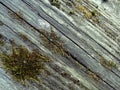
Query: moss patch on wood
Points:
[53, 42]
[93, 75]
[69, 3]
[108, 64]
[84, 10]
[17, 15]
[55, 3]
[23, 64]
[2, 42]
[89, 14]
[72, 12]
[24, 37]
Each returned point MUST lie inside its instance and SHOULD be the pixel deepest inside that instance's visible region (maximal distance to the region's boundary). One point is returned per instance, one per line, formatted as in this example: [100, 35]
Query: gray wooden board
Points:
[86, 44]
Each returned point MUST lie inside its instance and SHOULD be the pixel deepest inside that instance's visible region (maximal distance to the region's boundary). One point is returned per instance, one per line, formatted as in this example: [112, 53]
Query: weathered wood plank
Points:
[86, 44]
[16, 30]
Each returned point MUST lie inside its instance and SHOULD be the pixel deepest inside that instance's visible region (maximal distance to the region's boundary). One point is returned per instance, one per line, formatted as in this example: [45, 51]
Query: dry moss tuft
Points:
[93, 15]
[69, 3]
[108, 64]
[72, 12]
[55, 3]
[2, 42]
[24, 37]
[53, 42]
[85, 11]
[24, 65]
[17, 16]
[93, 75]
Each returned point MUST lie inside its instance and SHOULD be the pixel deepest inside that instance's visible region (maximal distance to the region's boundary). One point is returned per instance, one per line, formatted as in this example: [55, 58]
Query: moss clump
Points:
[2, 42]
[88, 14]
[68, 3]
[53, 42]
[24, 65]
[17, 16]
[24, 37]
[72, 12]
[85, 11]
[94, 13]
[108, 64]
[93, 75]
[55, 3]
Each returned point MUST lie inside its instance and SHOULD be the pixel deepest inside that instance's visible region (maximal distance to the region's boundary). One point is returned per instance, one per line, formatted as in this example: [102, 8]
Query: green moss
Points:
[108, 64]
[93, 75]
[24, 37]
[53, 42]
[55, 3]
[17, 16]
[24, 65]
[72, 12]
[94, 13]
[2, 42]
[68, 3]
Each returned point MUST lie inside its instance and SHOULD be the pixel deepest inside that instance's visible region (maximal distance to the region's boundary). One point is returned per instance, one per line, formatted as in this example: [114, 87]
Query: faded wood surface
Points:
[86, 40]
